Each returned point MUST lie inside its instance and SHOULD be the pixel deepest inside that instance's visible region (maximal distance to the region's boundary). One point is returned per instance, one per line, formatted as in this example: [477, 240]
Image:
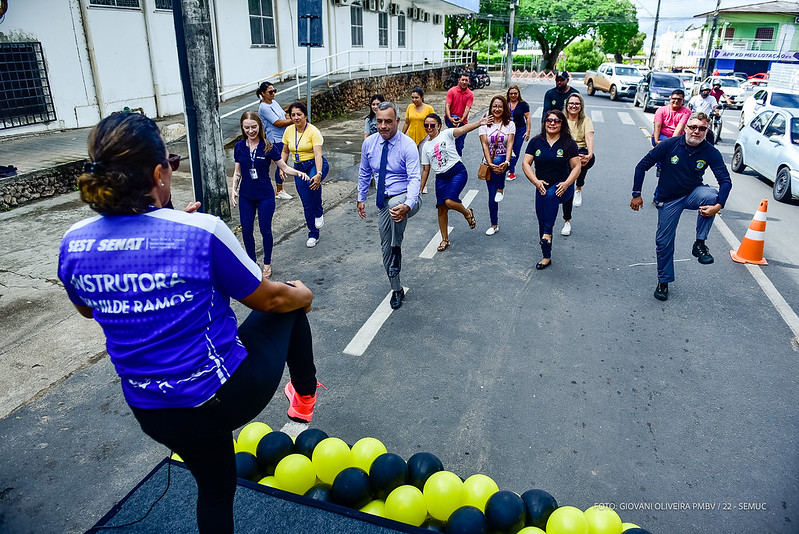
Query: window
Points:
[163, 4]
[115, 3]
[777, 126]
[761, 120]
[729, 33]
[382, 29]
[401, 30]
[24, 89]
[764, 34]
[356, 21]
[262, 22]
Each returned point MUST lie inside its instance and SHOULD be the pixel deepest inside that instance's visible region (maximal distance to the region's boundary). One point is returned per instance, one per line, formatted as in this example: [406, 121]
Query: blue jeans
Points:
[517, 147]
[278, 179]
[458, 140]
[311, 200]
[496, 182]
[546, 207]
[668, 218]
[247, 210]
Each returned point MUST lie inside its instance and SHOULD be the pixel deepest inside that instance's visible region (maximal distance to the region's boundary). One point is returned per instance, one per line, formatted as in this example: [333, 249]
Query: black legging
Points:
[567, 205]
[202, 436]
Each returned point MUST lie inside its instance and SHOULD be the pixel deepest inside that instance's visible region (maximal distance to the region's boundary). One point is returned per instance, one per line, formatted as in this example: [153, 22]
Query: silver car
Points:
[769, 144]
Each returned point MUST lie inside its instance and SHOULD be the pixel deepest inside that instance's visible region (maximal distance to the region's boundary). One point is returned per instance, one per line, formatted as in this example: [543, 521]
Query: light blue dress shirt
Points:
[402, 171]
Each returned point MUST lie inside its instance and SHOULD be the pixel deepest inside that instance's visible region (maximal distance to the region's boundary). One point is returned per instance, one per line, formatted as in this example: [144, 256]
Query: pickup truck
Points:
[613, 78]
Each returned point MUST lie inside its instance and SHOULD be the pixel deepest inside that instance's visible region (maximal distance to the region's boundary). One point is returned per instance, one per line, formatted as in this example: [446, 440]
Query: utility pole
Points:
[201, 101]
[654, 39]
[488, 52]
[509, 63]
[706, 66]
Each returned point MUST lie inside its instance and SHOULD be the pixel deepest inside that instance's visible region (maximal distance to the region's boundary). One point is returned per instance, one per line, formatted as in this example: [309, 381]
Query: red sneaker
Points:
[511, 176]
[301, 406]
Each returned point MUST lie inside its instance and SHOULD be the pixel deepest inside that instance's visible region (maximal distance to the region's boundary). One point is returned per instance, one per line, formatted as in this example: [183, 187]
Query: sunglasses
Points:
[271, 92]
[694, 128]
[429, 126]
[553, 121]
[174, 161]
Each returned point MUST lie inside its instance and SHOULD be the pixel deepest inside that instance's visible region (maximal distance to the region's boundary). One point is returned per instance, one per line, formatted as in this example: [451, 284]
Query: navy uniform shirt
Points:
[682, 168]
[261, 188]
[551, 162]
[555, 100]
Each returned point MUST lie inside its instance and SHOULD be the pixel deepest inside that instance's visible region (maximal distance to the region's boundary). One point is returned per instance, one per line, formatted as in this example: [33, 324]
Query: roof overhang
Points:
[449, 7]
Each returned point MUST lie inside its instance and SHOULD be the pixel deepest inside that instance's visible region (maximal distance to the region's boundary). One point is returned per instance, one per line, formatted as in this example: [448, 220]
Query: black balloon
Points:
[538, 506]
[351, 488]
[505, 512]
[247, 467]
[467, 520]
[388, 472]
[319, 493]
[434, 525]
[307, 441]
[272, 448]
[636, 531]
[420, 466]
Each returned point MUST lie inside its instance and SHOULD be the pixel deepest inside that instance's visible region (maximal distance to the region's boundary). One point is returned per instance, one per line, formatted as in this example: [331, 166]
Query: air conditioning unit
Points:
[341, 2]
[382, 5]
[371, 5]
[426, 17]
[394, 9]
[420, 14]
[413, 13]
[438, 19]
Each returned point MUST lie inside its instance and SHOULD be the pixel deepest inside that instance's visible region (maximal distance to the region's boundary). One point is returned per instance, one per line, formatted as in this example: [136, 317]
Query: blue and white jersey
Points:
[160, 286]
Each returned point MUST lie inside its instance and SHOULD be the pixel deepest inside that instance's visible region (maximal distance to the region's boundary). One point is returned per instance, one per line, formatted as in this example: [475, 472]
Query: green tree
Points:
[471, 31]
[553, 24]
[617, 28]
[582, 55]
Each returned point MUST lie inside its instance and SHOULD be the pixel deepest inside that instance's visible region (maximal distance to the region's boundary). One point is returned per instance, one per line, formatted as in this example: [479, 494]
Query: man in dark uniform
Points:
[556, 97]
[683, 162]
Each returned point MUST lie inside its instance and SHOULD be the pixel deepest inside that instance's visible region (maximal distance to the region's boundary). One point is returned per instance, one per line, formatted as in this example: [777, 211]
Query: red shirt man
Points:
[459, 101]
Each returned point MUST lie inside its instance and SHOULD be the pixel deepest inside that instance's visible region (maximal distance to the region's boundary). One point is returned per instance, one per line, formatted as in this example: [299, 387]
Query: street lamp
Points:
[488, 52]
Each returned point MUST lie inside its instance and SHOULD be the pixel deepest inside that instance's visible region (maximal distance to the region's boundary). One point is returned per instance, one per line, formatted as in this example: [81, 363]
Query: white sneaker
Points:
[491, 230]
[311, 242]
[567, 229]
[319, 222]
[282, 194]
[578, 198]
[498, 197]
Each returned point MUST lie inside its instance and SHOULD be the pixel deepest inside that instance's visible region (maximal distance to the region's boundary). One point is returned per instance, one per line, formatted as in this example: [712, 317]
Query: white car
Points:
[729, 84]
[769, 144]
[767, 97]
[688, 80]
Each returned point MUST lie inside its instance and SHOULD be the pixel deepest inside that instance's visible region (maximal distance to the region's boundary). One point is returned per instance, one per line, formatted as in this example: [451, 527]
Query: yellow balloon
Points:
[406, 505]
[603, 520]
[376, 507]
[330, 457]
[365, 451]
[269, 481]
[443, 494]
[175, 456]
[531, 530]
[567, 520]
[477, 489]
[628, 526]
[295, 473]
[250, 435]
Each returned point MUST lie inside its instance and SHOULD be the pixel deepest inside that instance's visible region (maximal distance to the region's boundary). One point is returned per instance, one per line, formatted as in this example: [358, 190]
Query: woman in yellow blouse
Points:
[414, 119]
[302, 143]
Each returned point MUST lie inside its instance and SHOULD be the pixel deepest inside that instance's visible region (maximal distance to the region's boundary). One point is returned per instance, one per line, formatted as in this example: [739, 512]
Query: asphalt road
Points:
[681, 414]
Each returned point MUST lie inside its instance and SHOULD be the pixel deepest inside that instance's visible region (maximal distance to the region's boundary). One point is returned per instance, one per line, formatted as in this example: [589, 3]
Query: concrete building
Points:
[67, 63]
[678, 48]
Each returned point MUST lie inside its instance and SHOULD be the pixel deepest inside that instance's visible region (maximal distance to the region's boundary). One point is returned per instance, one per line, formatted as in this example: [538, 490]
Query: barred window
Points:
[729, 33]
[401, 30]
[356, 22]
[115, 3]
[24, 88]
[764, 34]
[262, 22]
[382, 29]
[163, 4]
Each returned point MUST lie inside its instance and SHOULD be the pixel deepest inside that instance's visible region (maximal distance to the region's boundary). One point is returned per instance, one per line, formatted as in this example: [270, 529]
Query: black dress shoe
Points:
[396, 299]
[541, 266]
[702, 253]
[662, 291]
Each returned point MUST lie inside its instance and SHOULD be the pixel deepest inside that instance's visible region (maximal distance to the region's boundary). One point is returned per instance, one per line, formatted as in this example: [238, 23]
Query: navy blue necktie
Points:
[381, 177]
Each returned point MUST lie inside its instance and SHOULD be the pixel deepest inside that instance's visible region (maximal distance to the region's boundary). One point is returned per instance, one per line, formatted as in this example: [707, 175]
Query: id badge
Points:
[253, 173]
[296, 157]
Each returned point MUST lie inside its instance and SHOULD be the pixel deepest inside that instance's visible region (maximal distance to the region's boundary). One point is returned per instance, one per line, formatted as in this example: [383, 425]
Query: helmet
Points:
[716, 82]
[704, 87]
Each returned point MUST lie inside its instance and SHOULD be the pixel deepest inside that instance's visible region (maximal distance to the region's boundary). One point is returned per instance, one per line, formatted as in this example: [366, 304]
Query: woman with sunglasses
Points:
[252, 189]
[440, 153]
[557, 165]
[370, 121]
[275, 121]
[497, 140]
[581, 128]
[189, 374]
[520, 112]
[302, 142]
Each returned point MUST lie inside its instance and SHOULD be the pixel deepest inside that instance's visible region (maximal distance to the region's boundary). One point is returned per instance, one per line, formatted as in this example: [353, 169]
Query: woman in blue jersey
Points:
[159, 283]
[252, 184]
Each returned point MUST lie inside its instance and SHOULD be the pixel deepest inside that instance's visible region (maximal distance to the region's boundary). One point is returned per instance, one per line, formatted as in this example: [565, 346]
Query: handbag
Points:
[484, 171]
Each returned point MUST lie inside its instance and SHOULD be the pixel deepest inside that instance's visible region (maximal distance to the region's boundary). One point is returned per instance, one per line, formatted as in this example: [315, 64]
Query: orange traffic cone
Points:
[751, 249]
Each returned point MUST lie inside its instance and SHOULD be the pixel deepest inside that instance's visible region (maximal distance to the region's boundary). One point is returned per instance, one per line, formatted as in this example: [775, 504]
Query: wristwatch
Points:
[636, 194]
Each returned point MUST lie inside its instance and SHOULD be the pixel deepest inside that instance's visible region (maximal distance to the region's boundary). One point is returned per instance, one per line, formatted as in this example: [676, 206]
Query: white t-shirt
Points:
[705, 105]
[440, 153]
[497, 135]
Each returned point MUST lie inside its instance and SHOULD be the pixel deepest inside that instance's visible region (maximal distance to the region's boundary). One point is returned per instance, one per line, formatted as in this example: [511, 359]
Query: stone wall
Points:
[18, 190]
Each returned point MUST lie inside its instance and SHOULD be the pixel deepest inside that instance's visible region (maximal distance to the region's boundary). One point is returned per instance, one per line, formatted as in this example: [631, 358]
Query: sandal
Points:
[443, 246]
[470, 219]
[267, 271]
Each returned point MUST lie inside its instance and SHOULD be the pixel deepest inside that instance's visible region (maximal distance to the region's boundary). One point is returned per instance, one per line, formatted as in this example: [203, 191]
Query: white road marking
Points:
[654, 263]
[645, 132]
[430, 250]
[777, 300]
[597, 116]
[625, 118]
[293, 428]
[537, 112]
[369, 330]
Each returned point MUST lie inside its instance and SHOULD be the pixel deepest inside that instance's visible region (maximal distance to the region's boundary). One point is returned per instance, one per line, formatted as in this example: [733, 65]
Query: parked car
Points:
[689, 80]
[731, 87]
[759, 78]
[769, 144]
[614, 78]
[767, 97]
[643, 69]
[655, 89]
[738, 74]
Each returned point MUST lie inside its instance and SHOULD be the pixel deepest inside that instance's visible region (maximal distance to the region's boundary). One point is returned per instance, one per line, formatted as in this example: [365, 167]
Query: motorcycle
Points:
[482, 73]
[475, 80]
[716, 123]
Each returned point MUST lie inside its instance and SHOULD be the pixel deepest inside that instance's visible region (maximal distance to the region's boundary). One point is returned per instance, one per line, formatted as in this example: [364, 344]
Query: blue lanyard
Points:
[297, 142]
